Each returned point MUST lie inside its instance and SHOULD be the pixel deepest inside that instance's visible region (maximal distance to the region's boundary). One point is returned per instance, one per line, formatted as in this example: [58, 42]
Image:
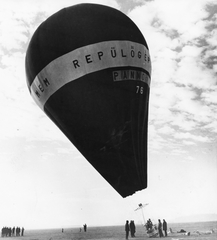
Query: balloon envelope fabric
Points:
[88, 67]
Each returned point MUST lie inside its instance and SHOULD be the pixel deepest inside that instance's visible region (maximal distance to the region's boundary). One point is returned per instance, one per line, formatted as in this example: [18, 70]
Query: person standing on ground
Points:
[132, 228]
[85, 227]
[160, 228]
[165, 227]
[22, 231]
[127, 229]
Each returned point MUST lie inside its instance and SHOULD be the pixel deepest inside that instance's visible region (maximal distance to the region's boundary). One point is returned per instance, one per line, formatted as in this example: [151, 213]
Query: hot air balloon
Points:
[88, 67]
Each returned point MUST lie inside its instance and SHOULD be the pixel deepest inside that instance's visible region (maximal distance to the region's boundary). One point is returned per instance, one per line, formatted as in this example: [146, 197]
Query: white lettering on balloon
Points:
[89, 59]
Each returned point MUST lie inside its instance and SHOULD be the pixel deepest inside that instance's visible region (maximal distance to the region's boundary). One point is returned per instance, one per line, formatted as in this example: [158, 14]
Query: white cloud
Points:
[166, 66]
[166, 130]
[48, 6]
[190, 51]
[194, 73]
[185, 142]
[178, 152]
[210, 96]
[12, 31]
[188, 12]
[183, 122]
[211, 126]
[214, 68]
[187, 135]
[197, 30]
[182, 83]
[212, 38]
[156, 142]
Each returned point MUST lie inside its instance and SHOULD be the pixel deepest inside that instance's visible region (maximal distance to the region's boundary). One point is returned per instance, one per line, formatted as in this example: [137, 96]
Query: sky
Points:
[45, 182]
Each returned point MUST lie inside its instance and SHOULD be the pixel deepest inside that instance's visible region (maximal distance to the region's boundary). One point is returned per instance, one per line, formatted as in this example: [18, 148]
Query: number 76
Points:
[139, 89]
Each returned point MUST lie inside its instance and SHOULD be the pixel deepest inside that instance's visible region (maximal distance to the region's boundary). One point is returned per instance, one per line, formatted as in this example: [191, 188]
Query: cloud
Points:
[210, 97]
[178, 152]
[183, 122]
[185, 142]
[212, 38]
[182, 42]
[187, 135]
[194, 73]
[166, 130]
[211, 126]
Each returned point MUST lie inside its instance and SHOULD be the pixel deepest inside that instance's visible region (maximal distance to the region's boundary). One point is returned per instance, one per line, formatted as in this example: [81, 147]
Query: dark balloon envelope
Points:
[88, 67]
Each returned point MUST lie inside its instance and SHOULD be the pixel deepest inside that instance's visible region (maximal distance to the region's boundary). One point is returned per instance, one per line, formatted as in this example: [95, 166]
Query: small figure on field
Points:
[85, 227]
[127, 229]
[160, 228]
[132, 228]
[22, 231]
[165, 227]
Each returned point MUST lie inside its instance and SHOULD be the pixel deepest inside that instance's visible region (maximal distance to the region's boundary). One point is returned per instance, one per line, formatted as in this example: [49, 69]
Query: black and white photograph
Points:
[108, 123]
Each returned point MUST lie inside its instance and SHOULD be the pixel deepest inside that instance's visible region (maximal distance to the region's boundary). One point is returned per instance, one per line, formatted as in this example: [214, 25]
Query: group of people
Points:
[162, 227]
[156, 230]
[84, 227]
[149, 225]
[12, 232]
[130, 228]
